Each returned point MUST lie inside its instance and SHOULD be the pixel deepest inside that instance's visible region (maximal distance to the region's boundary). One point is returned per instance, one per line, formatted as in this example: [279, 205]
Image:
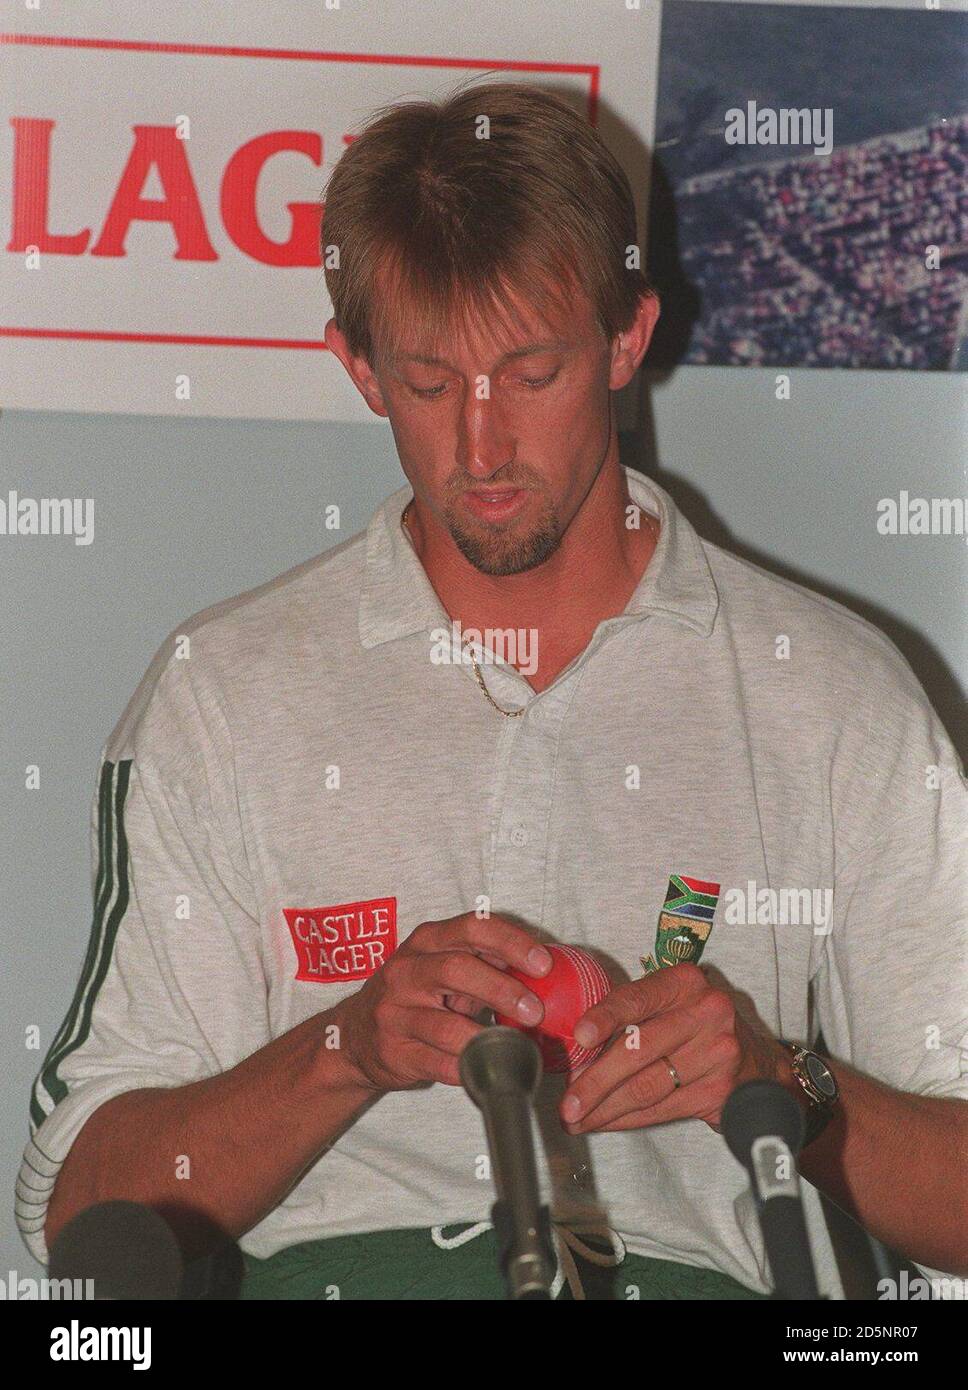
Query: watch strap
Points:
[816, 1121]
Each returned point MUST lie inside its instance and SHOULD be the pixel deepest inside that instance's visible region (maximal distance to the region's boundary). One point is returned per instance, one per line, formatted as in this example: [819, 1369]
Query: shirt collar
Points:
[397, 599]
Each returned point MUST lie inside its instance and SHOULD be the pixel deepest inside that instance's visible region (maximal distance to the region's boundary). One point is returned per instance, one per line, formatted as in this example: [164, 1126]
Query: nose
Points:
[485, 444]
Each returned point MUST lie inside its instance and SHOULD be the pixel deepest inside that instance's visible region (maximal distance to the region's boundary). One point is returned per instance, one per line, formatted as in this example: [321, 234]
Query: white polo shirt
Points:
[301, 779]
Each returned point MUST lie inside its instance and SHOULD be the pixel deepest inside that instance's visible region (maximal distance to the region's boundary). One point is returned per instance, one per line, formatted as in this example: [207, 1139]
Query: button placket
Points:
[521, 850]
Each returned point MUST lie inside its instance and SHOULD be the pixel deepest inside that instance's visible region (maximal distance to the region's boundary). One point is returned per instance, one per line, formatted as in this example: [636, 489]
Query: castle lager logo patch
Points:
[685, 922]
[346, 942]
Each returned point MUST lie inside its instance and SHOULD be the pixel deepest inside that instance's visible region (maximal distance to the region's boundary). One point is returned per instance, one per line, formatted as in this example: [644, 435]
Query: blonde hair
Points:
[436, 227]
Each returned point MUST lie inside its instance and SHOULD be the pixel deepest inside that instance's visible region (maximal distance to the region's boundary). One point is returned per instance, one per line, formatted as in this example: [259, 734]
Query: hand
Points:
[674, 1013]
[410, 1021]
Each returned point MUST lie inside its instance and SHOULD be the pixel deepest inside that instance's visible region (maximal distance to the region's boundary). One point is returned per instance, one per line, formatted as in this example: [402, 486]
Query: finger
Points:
[463, 1004]
[648, 1086]
[431, 1064]
[437, 1028]
[639, 1000]
[511, 944]
[632, 1051]
[690, 1103]
[492, 958]
[461, 972]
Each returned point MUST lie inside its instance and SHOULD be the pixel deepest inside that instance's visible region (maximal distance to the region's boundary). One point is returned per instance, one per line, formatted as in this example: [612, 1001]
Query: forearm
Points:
[898, 1164]
[219, 1153]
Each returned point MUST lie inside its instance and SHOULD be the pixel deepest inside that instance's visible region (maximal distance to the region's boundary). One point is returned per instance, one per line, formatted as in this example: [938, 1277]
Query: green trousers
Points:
[408, 1264]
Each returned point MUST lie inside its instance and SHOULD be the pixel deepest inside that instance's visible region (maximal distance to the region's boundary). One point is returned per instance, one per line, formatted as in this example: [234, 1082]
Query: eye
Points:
[430, 393]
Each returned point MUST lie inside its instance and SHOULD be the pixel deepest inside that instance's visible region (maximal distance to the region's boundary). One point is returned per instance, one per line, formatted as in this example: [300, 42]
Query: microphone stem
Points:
[522, 1227]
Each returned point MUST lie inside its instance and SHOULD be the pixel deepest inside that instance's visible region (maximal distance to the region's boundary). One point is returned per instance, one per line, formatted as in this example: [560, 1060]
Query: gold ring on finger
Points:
[676, 1078]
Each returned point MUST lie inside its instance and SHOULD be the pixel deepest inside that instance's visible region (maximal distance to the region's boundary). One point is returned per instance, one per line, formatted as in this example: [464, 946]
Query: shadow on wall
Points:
[639, 451]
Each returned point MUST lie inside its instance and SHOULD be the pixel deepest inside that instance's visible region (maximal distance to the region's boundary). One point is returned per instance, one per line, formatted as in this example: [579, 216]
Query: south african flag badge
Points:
[685, 922]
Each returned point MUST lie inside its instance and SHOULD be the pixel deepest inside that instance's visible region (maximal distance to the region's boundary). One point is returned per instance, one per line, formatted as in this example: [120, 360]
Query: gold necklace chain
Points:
[508, 713]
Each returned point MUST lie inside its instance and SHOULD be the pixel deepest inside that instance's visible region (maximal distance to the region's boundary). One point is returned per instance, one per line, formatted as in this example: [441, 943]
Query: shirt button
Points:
[519, 836]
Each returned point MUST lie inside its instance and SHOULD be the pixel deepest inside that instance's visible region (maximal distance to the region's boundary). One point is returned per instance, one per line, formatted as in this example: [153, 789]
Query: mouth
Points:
[495, 504]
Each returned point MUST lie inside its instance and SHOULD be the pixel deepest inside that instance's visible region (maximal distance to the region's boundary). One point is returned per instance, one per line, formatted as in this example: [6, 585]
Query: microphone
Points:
[128, 1250]
[763, 1126]
[500, 1070]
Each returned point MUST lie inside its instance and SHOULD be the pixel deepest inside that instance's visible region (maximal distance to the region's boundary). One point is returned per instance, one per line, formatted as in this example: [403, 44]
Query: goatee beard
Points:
[501, 554]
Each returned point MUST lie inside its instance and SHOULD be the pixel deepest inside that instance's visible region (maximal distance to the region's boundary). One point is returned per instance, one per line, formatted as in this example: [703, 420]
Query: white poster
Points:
[162, 167]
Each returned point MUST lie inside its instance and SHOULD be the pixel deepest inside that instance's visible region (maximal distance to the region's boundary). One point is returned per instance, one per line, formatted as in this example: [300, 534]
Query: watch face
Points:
[821, 1075]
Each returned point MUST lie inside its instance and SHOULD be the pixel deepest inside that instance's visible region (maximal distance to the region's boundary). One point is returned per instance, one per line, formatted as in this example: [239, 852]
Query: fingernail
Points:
[571, 1108]
[529, 1009]
[539, 960]
[586, 1034]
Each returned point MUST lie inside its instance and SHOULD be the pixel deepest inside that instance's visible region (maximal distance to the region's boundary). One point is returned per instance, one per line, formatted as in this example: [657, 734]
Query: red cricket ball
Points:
[574, 983]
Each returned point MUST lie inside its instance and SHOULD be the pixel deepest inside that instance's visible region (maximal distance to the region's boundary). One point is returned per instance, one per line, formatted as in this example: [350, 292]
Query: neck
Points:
[590, 577]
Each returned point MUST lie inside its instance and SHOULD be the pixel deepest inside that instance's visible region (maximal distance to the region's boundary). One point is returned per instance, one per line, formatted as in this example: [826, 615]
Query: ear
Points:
[630, 347]
[358, 368]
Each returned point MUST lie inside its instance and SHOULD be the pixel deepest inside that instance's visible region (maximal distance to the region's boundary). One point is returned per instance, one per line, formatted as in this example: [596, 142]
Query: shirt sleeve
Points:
[891, 991]
[172, 988]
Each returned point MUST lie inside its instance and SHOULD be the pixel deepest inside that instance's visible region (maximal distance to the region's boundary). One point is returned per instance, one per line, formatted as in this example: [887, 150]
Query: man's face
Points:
[532, 422]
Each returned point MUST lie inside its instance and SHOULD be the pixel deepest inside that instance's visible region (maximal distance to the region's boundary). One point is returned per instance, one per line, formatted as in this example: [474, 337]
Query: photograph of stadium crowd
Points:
[809, 186]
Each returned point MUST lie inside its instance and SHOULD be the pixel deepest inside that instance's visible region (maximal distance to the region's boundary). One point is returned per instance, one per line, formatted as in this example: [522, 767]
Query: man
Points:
[330, 820]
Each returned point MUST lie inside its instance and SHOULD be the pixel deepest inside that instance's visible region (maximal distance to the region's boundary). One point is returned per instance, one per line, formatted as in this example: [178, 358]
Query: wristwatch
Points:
[818, 1084]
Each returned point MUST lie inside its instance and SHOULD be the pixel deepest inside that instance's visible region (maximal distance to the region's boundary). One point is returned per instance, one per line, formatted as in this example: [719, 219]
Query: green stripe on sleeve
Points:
[111, 797]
